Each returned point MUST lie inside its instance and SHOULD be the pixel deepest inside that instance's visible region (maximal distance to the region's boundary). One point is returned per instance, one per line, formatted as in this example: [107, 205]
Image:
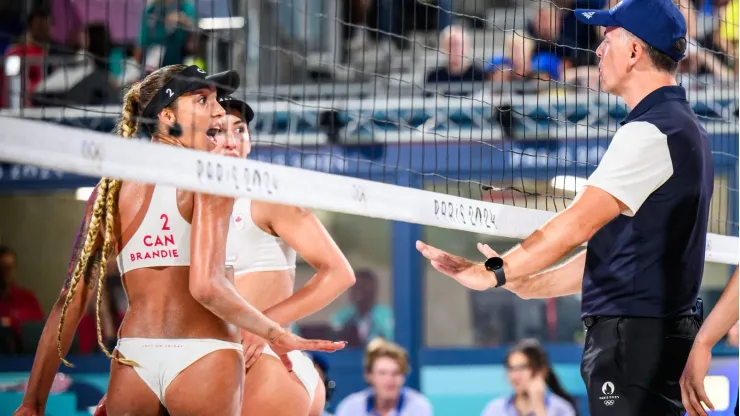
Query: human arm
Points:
[210, 286]
[305, 233]
[562, 280]
[46, 362]
[208, 282]
[182, 18]
[592, 209]
[637, 163]
[718, 323]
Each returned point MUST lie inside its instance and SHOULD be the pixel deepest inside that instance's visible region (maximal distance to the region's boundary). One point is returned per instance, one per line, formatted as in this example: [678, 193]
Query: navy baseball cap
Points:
[243, 108]
[658, 23]
[190, 79]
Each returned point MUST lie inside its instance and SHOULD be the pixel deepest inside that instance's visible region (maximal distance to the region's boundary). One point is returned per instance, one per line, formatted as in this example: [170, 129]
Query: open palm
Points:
[469, 274]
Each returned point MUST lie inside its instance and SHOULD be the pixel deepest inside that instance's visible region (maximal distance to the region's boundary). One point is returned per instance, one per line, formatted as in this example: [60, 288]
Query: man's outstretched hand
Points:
[467, 273]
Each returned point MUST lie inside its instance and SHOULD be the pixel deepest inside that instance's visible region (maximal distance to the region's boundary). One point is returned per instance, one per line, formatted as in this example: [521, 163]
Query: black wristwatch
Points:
[496, 266]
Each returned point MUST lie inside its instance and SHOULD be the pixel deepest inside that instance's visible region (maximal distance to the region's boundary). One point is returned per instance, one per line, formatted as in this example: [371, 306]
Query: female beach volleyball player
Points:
[261, 248]
[170, 248]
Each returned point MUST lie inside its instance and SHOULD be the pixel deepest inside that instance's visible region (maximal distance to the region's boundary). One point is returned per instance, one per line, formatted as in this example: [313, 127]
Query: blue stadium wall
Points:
[460, 383]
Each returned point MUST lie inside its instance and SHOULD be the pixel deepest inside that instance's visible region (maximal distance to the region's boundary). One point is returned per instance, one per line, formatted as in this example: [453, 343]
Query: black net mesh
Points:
[497, 100]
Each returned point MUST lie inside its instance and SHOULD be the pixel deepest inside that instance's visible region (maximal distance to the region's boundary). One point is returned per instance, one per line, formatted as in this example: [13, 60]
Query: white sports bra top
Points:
[250, 249]
[163, 237]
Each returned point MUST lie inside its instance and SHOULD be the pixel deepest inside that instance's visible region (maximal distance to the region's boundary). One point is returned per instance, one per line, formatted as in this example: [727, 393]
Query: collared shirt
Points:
[362, 403]
[554, 404]
[649, 261]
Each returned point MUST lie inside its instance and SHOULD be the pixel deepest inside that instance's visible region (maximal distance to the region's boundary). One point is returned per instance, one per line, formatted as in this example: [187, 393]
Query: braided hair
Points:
[105, 205]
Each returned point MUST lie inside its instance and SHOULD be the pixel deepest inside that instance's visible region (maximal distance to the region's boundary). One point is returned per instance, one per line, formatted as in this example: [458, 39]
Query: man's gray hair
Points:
[658, 59]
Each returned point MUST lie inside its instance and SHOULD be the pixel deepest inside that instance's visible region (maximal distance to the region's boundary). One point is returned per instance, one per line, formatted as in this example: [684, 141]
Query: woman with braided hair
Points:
[169, 246]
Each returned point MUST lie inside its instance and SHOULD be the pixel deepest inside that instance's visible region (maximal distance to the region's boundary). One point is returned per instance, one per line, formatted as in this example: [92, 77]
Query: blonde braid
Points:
[127, 127]
[111, 202]
[81, 267]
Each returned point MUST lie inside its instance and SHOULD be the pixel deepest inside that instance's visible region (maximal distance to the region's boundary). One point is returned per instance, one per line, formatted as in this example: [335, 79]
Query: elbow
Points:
[347, 277]
[204, 293]
[341, 276]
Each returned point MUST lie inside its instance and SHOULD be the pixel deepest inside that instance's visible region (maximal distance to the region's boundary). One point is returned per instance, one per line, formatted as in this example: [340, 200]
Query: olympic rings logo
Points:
[92, 151]
[609, 402]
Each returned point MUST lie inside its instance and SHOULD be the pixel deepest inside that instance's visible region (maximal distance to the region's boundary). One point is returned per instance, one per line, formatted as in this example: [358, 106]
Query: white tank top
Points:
[163, 237]
[249, 249]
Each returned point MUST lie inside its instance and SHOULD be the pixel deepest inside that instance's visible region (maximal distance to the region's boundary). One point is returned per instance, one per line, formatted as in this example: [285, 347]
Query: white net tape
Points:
[97, 154]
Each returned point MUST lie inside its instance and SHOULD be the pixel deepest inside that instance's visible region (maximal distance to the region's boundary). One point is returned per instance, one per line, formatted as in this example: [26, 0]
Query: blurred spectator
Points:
[546, 66]
[537, 390]
[386, 366]
[541, 36]
[97, 44]
[498, 69]
[364, 318]
[31, 49]
[194, 51]
[17, 305]
[728, 31]
[555, 32]
[322, 366]
[164, 32]
[394, 19]
[577, 41]
[11, 22]
[460, 67]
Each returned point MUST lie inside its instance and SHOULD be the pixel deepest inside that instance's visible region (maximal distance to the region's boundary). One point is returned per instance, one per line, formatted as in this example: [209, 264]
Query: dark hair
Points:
[663, 62]
[365, 274]
[98, 44]
[38, 12]
[538, 362]
[7, 250]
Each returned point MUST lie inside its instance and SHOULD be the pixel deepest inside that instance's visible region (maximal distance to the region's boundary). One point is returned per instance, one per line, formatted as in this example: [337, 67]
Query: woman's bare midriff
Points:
[161, 306]
[160, 303]
[265, 289]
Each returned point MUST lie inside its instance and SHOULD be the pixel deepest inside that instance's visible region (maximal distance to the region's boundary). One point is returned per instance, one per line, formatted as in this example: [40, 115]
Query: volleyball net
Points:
[484, 118]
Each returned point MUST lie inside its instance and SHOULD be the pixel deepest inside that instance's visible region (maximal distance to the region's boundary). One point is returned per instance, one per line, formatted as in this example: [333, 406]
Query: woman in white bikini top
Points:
[261, 248]
[181, 325]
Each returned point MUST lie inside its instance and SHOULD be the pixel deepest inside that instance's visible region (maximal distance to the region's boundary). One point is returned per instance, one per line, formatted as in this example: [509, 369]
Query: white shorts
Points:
[161, 360]
[303, 369]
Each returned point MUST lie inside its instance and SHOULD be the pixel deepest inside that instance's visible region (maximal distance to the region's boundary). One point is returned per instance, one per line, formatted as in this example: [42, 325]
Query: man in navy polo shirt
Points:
[644, 213]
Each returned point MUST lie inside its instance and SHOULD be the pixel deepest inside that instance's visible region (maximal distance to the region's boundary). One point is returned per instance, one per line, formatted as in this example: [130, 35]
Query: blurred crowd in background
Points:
[411, 41]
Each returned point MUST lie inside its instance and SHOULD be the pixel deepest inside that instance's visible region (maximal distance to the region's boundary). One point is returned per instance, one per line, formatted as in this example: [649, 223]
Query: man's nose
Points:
[600, 50]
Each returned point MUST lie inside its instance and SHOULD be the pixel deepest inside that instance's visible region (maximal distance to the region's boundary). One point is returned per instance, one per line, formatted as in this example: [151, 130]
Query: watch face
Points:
[494, 263]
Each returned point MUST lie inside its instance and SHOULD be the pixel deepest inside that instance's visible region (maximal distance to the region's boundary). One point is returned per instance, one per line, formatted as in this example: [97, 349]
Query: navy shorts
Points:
[631, 366]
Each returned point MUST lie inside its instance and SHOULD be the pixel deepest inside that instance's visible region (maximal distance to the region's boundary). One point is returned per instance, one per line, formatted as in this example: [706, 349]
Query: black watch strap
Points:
[496, 266]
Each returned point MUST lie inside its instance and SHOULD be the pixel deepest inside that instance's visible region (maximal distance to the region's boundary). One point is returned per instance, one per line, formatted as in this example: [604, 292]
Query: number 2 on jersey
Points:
[166, 219]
